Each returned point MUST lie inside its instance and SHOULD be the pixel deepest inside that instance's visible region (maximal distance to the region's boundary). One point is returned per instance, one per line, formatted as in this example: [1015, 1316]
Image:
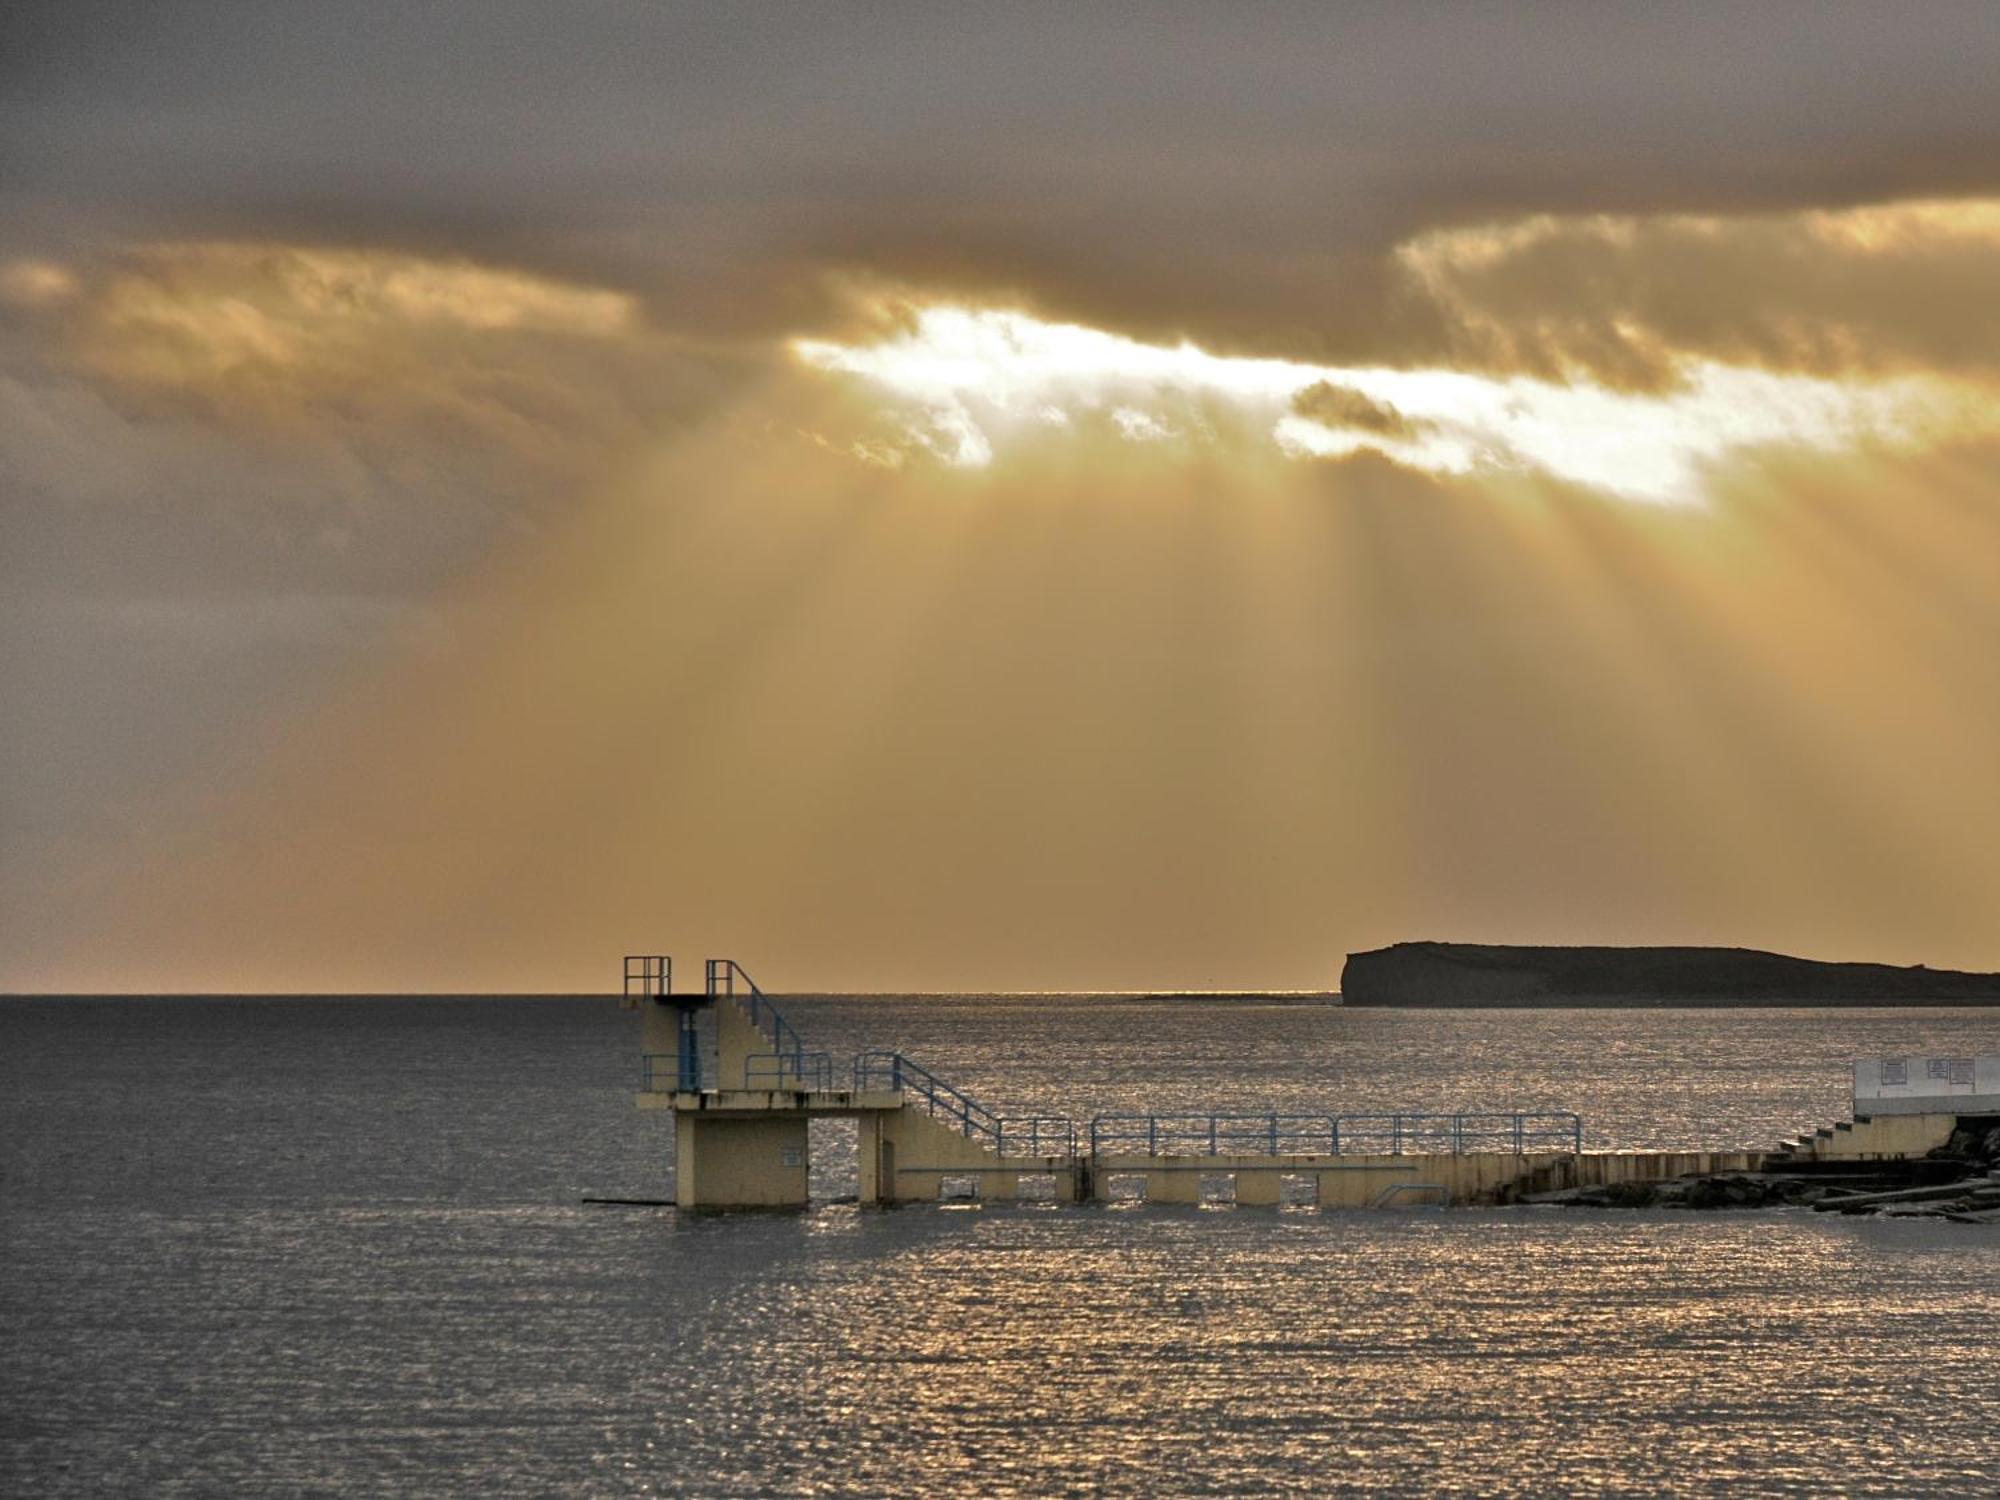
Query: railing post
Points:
[1458, 1135]
[1396, 1134]
[1519, 1144]
[1152, 1135]
[1576, 1133]
[1211, 1135]
[1274, 1135]
[1333, 1134]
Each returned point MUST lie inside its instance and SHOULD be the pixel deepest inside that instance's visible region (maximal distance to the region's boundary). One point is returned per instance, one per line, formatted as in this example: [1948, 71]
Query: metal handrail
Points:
[1008, 1135]
[648, 976]
[1333, 1135]
[899, 1074]
[662, 1073]
[805, 1070]
[724, 977]
[1035, 1135]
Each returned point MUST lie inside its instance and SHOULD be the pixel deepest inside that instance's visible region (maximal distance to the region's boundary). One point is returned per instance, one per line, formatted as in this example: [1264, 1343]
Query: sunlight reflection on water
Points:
[338, 1250]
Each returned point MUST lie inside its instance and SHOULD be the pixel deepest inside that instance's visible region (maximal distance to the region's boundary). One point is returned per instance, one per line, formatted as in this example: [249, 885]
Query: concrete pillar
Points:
[1258, 1189]
[755, 1161]
[868, 1149]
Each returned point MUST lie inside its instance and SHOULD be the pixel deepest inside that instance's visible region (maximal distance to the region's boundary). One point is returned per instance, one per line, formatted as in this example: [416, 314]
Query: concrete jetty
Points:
[743, 1087]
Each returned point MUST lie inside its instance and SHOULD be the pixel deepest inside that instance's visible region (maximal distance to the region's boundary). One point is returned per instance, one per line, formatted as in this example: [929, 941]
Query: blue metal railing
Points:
[648, 976]
[1007, 1135]
[668, 1073]
[788, 1070]
[891, 1071]
[1333, 1135]
[1035, 1135]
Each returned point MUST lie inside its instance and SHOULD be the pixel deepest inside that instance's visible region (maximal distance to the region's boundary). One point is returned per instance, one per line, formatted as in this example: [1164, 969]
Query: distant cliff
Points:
[1478, 974]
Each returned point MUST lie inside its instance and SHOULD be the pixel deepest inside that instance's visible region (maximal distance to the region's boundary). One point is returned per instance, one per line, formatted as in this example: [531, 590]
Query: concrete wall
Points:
[1926, 1085]
[1342, 1181]
[659, 1029]
[1363, 1181]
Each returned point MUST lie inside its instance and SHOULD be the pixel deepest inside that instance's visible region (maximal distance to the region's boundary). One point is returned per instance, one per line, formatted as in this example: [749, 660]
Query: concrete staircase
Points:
[1880, 1138]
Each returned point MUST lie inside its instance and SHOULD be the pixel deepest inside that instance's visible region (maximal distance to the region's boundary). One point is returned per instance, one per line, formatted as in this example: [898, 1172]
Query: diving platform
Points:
[743, 1087]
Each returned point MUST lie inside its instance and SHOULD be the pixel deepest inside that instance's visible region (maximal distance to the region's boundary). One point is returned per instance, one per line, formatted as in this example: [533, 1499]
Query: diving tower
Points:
[743, 1088]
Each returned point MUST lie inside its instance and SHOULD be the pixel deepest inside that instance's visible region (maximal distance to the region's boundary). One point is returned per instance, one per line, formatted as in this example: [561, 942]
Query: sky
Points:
[1008, 497]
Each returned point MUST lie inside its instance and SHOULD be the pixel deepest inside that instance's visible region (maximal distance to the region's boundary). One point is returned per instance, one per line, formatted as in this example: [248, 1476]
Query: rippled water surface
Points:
[335, 1247]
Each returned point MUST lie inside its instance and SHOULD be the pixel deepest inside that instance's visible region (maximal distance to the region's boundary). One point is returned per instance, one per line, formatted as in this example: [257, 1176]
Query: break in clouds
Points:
[1625, 356]
[1572, 350]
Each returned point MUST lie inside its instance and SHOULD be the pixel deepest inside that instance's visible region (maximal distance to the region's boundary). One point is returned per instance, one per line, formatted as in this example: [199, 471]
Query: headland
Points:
[1504, 975]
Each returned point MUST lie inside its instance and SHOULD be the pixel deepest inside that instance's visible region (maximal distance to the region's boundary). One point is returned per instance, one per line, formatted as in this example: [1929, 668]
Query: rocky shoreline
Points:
[1960, 1181]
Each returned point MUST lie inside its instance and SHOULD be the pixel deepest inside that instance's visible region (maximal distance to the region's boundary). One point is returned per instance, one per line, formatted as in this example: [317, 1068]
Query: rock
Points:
[1611, 1195]
[1629, 1195]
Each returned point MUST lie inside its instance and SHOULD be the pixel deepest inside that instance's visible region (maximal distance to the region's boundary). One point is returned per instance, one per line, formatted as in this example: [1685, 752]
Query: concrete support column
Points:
[870, 1188]
[1258, 1189]
[756, 1161]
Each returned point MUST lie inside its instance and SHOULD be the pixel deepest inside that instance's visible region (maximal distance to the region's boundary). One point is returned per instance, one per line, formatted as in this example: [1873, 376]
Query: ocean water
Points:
[335, 1247]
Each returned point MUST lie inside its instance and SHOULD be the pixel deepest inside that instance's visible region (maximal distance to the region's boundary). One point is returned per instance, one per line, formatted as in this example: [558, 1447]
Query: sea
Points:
[338, 1246]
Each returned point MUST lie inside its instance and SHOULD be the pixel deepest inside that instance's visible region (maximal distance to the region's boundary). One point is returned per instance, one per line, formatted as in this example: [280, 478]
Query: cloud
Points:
[399, 407]
[287, 333]
[1235, 179]
[35, 283]
[1881, 290]
[231, 473]
[1339, 406]
[972, 384]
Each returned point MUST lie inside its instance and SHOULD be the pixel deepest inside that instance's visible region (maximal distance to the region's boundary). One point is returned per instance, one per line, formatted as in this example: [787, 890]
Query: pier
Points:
[743, 1086]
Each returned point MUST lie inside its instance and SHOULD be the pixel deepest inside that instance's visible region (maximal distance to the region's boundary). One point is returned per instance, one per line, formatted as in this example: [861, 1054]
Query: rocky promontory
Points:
[1960, 1181]
[1499, 975]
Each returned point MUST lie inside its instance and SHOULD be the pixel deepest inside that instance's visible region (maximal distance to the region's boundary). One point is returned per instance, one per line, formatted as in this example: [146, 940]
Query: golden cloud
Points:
[969, 384]
[1339, 406]
[386, 374]
[1888, 289]
[281, 322]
